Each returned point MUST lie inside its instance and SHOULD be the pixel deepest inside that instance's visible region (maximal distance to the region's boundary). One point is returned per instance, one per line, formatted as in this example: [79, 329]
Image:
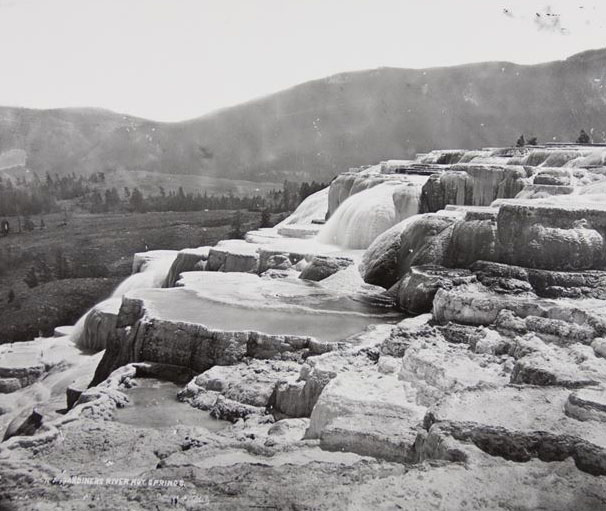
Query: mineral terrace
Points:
[426, 334]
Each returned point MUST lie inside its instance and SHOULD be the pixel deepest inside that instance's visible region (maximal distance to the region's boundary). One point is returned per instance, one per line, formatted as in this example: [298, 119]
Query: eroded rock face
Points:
[552, 237]
[539, 363]
[251, 382]
[227, 260]
[15, 378]
[416, 241]
[192, 345]
[322, 267]
[532, 425]
[187, 260]
[546, 283]
[471, 185]
[370, 414]
[278, 260]
[446, 188]
[517, 310]
[296, 397]
[379, 264]
[475, 304]
[587, 404]
[455, 238]
[436, 368]
[417, 289]
[528, 234]
[24, 427]
[473, 239]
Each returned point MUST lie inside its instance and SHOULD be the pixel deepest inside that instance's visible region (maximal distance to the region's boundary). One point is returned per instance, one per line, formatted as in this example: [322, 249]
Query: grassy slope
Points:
[97, 243]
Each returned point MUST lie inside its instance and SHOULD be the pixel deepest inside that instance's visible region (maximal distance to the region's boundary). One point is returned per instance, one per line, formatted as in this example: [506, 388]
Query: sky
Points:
[171, 60]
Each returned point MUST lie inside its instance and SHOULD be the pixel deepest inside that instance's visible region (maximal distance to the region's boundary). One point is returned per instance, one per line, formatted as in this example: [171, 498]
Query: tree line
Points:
[38, 196]
[21, 197]
[274, 201]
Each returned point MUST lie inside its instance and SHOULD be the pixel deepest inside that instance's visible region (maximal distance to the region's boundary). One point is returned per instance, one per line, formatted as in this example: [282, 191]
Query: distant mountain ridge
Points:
[319, 128]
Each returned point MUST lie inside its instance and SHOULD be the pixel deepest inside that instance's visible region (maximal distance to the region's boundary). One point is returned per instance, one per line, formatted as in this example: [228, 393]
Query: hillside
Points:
[319, 128]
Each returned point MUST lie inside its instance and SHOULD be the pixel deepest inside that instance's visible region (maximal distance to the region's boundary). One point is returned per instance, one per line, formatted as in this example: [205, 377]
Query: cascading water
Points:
[470, 156]
[312, 208]
[490, 160]
[78, 356]
[561, 158]
[363, 216]
[588, 158]
[151, 274]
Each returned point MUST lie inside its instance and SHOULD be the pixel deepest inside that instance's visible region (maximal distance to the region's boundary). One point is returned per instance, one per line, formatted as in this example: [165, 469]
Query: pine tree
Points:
[236, 226]
[583, 138]
[265, 218]
[136, 200]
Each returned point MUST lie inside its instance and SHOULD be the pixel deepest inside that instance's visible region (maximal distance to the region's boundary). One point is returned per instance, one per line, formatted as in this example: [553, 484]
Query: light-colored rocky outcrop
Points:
[539, 363]
[190, 259]
[494, 399]
[472, 185]
[233, 256]
[494, 484]
[251, 382]
[417, 289]
[416, 241]
[528, 234]
[368, 413]
[532, 425]
[587, 404]
[520, 312]
[552, 237]
[436, 368]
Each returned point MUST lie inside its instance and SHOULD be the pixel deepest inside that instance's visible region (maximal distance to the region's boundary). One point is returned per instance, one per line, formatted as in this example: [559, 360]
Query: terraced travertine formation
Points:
[426, 334]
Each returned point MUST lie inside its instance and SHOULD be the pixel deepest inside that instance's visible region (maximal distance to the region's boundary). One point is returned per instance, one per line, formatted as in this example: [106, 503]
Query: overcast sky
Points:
[176, 59]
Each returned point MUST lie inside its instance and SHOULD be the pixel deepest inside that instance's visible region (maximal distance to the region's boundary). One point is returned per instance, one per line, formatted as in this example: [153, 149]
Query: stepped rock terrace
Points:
[429, 333]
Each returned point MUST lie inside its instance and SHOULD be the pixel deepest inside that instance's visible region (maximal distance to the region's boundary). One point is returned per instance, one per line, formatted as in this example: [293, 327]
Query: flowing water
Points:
[313, 207]
[151, 273]
[363, 216]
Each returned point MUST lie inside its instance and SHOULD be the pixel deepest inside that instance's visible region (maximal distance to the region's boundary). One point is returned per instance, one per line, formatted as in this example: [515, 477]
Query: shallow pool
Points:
[153, 404]
[329, 326]
[244, 302]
